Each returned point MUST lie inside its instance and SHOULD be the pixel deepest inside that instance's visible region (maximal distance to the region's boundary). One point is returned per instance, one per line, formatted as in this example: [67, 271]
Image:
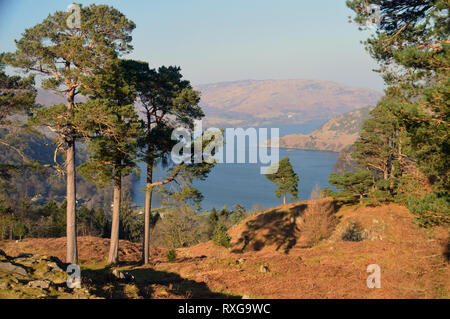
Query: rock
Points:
[54, 267]
[4, 285]
[43, 284]
[245, 297]
[122, 275]
[9, 267]
[118, 274]
[25, 256]
[2, 253]
[263, 269]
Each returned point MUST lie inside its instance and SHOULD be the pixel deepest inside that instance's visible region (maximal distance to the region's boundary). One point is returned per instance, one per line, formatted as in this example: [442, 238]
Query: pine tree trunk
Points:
[71, 195]
[284, 199]
[114, 242]
[71, 231]
[147, 213]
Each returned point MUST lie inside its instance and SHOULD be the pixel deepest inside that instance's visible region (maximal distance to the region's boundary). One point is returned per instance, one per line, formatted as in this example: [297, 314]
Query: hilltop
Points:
[334, 135]
[276, 262]
[278, 102]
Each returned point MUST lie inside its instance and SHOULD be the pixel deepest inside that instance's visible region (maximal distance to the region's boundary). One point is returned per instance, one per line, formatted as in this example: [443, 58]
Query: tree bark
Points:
[147, 213]
[113, 257]
[71, 231]
[284, 199]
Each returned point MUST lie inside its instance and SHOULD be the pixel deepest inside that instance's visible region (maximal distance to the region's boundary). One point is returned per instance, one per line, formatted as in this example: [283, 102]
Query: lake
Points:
[243, 184]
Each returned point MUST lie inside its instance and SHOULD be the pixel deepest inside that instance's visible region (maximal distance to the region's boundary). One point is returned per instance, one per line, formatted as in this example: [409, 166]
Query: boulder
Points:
[9, 267]
[54, 267]
[42, 284]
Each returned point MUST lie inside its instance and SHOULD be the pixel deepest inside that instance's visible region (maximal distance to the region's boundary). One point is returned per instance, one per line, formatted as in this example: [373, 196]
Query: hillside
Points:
[278, 102]
[334, 135]
[274, 264]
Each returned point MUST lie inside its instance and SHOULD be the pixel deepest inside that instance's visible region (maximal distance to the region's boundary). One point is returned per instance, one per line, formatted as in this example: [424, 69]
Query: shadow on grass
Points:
[174, 284]
[102, 283]
[278, 228]
[275, 227]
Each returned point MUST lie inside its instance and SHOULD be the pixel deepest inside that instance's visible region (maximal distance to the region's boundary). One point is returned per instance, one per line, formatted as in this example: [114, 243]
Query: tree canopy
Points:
[405, 143]
[285, 179]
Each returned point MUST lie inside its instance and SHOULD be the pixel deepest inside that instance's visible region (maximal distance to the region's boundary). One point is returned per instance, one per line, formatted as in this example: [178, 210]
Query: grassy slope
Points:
[413, 262]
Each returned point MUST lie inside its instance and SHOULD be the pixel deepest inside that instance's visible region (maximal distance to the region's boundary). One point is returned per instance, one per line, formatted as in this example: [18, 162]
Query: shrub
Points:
[319, 220]
[178, 228]
[431, 209]
[237, 214]
[171, 255]
[354, 232]
[220, 236]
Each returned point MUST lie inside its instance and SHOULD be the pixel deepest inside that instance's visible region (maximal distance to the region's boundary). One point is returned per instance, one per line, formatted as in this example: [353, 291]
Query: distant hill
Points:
[335, 135]
[268, 102]
[278, 102]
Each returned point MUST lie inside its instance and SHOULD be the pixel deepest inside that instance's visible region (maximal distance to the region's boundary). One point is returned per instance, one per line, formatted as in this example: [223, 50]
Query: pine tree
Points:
[411, 46]
[383, 149]
[353, 185]
[112, 128]
[285, 179]
[168, 101]
[66, 56]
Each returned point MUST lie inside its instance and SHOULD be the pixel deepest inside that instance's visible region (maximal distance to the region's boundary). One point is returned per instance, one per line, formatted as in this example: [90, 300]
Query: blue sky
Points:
[218, 40]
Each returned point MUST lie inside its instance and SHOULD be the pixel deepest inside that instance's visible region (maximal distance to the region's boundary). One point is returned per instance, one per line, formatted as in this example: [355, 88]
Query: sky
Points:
[229, 40]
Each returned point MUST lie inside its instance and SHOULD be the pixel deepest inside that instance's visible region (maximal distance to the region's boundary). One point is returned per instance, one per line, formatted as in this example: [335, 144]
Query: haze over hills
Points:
[269, 102]
[278, 102]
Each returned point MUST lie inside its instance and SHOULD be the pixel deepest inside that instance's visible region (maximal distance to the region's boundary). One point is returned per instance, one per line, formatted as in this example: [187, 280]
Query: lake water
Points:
[243, 184]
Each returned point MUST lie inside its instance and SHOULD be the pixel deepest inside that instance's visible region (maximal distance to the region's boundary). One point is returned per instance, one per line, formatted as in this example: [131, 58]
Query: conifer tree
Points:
[168, 101]
[285, 179]
[66, 54]
[411, 46]
[112, 128]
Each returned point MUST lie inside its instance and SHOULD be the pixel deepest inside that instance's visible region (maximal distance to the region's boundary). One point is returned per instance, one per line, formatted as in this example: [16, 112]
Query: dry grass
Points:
[414, 262]
[319, 223]
[319, 220]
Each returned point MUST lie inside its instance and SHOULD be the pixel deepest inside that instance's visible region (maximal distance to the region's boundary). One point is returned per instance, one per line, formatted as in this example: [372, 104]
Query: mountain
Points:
[268, 102]
[335, 135]
[278, 102]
